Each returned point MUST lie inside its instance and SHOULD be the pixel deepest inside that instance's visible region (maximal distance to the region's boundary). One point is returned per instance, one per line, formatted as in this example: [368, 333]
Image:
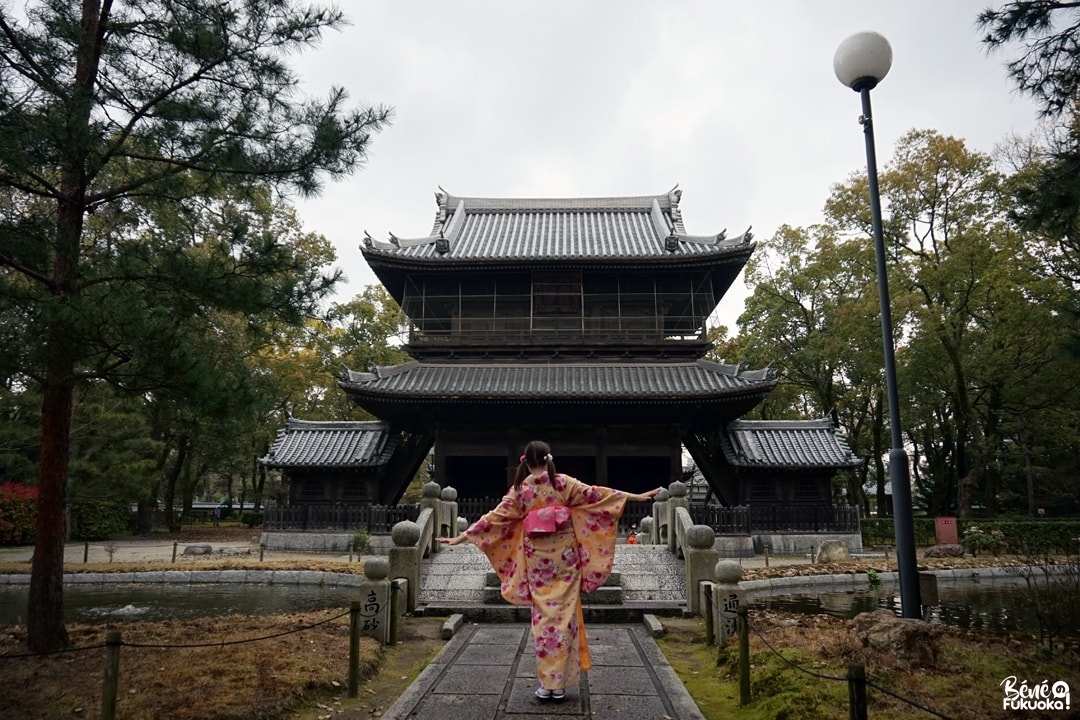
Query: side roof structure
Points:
[331, 444]
[786, 444]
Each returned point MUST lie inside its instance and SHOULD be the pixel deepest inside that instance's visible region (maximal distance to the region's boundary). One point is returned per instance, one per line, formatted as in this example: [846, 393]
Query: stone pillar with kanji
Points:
[374, 600]
[727, 598]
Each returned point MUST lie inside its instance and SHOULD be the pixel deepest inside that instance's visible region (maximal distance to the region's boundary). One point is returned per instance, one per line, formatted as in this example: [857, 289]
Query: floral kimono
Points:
[549, 542]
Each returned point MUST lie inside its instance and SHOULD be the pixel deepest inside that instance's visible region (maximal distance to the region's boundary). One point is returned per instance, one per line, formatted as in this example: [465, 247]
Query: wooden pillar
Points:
[440, 457]
[602, 457]
[676, 455]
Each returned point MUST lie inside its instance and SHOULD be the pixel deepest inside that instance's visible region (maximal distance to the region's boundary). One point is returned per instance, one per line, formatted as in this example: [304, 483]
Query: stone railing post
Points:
[727, 599]
[661, 521]
[679, 499]
[374, 600]
[701, 557]
[645, 537]
[448, 512]
[405, 559]
[429, 500]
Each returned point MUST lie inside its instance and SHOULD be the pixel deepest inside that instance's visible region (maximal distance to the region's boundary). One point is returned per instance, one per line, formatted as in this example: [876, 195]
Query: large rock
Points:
[944, 550]
[887, 640]
[832, 551]
[198, 550]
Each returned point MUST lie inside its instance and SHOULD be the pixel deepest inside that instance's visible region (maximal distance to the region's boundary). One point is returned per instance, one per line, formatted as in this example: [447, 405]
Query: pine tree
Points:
[115, 116]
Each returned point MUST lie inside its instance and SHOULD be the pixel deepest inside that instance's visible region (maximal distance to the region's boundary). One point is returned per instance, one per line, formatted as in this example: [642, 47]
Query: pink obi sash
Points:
[546, 519]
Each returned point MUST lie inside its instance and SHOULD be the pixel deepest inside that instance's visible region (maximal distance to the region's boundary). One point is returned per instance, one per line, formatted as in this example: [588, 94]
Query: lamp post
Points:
[861, 62]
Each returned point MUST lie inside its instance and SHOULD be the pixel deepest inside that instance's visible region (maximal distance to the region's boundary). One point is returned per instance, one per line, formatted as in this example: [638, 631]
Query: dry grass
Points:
[229, 678]
[964, 685]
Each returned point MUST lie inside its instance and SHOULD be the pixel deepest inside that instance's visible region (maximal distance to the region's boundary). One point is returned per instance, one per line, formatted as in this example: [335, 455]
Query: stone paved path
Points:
[488, 672]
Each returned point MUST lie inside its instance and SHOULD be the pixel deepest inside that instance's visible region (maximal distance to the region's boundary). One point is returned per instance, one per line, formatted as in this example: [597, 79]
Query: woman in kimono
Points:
[551, 539]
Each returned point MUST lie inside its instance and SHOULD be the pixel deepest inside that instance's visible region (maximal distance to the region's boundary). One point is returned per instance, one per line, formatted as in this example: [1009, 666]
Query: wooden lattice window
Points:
[763, 489]
[355, 490]
[807, 489]
[557, 293]
[312, 490]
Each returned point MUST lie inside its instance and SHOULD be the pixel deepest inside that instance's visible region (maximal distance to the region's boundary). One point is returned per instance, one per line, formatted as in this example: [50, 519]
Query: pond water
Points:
[156, 601]
[1001, 604]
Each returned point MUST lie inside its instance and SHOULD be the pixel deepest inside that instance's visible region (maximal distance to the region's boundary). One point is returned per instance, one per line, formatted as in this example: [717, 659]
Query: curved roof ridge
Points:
[819, 423]
[298, 424]
[666, 201]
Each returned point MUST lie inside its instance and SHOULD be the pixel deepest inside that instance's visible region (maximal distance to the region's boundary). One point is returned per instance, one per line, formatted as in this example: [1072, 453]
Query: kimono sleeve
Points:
[595, 511]
[499, 535]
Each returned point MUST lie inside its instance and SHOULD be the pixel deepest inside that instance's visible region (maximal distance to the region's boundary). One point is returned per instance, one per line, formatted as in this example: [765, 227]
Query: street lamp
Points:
[861, 62]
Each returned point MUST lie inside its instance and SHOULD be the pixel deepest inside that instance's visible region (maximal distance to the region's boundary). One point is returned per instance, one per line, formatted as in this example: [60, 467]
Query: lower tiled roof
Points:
[786, 444]
[333, 444]
[576, 382]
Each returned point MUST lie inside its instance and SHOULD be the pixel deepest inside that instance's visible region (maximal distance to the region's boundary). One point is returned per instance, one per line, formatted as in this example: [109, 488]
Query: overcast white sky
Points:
[736, 102]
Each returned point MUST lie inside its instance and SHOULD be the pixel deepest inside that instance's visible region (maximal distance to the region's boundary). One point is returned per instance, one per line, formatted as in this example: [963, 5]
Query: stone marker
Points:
[727, 598]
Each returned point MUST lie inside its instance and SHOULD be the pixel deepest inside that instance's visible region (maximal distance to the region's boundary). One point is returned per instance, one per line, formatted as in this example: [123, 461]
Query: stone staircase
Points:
[645, 579]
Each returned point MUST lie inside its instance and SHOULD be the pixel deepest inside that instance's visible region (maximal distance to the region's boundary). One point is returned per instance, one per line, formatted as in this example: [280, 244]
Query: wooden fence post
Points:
[710, 611]
[856, 674]
[744, 657]
[112, 675]
[354, 648]
[174, 551]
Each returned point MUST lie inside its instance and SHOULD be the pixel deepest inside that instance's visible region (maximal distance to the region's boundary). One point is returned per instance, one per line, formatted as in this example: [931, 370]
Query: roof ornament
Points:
[721, 236]
[442, 245]
[441, 198]
[368, 240]
[394, 240]
[748, 236]
[671, 242]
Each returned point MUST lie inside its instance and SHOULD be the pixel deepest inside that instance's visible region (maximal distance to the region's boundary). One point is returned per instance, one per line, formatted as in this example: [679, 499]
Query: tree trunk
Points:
[879, 450]
[258, 484]
[45, 627]
[1029, 472]
[171, 517]
[45, 613]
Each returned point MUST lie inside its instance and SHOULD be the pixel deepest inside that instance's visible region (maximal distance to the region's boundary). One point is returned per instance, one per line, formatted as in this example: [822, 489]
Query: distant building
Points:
[579, 321]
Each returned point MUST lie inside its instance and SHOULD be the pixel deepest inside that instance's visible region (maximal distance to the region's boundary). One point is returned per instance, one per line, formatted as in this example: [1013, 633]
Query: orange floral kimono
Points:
[549, 541]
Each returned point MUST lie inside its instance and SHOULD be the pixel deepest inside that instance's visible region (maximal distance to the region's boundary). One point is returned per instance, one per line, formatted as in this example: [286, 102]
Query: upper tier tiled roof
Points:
[699, 380]
[786, 444]
[469, 229]
[317, 444]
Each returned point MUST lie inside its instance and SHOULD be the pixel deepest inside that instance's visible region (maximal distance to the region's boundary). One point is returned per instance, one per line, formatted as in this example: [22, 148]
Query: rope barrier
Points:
[909, 702]
[23, 656]
[221, 643]
[823, 676]
[789, 662]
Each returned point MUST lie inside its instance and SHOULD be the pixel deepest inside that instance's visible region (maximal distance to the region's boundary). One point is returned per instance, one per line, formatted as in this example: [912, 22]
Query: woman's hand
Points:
[451, 541]
[647, 495]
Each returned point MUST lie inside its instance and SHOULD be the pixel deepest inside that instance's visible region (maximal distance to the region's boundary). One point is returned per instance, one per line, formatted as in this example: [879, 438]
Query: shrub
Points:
[18, 513]
[361, 539]
[881, 531]
[252, 519]
[97, 519]
[980, 538]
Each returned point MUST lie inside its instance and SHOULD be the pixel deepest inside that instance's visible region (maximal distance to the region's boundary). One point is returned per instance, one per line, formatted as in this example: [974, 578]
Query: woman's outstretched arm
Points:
[642, 497]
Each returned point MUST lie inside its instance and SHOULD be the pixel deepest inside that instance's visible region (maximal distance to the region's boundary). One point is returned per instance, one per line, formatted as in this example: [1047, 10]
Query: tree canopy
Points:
[983, 379]
[134, 134]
